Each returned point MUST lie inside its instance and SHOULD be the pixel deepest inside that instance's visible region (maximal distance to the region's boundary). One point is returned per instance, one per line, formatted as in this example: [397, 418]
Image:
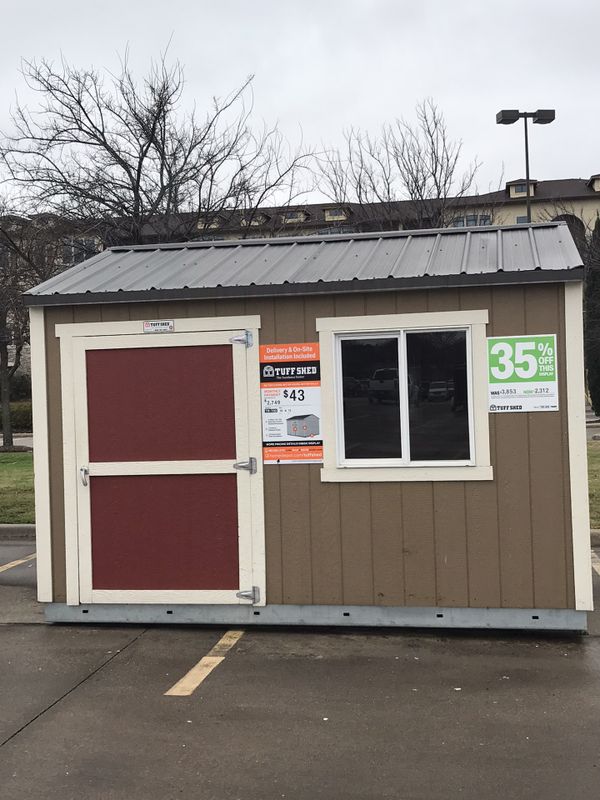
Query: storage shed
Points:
[303, 425]
[450, 486]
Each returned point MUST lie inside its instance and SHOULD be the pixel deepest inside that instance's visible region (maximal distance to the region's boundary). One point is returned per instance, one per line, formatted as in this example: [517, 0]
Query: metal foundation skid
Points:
[363, 616]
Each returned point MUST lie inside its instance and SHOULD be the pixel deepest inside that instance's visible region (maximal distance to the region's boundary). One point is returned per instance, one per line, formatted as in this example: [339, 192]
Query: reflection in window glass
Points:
[437, 391]
[371, 398]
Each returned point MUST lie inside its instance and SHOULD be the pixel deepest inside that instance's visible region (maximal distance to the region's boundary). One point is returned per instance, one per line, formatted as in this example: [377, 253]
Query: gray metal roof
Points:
[399, 259]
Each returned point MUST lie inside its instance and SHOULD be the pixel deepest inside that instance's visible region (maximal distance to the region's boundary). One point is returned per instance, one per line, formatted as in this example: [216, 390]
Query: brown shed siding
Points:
[500, 543]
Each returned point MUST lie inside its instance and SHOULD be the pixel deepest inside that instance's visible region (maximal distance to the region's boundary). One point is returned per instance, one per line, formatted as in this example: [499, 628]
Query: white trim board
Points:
[580, 512]
[181, 325]
[41, 454]
[421, 320]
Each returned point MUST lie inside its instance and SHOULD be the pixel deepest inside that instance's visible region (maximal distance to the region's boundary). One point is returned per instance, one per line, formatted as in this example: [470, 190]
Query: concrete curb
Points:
[595, 537]
[17, 533]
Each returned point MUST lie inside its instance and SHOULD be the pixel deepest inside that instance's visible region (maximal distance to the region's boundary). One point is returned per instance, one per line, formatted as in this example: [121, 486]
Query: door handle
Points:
[84, 472]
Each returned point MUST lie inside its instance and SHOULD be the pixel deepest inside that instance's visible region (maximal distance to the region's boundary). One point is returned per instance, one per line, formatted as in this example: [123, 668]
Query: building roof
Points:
[556, 191]
[312, 264]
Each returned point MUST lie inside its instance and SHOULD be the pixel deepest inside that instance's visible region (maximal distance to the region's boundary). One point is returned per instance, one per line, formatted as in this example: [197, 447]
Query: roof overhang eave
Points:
[322, 287]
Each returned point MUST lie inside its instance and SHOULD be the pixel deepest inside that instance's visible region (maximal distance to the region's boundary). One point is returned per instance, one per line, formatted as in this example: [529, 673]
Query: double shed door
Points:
[165, 511]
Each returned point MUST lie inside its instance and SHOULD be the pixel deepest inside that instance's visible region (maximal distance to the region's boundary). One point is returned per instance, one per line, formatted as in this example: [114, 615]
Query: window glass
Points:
[371, 398]
[471, 219]
[335, 213]
[437, 396]
[522, 220]
[484, 219]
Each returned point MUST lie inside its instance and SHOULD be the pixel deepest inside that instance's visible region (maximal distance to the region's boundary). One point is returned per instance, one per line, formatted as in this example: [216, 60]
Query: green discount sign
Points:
[522, 358]
[522, 373]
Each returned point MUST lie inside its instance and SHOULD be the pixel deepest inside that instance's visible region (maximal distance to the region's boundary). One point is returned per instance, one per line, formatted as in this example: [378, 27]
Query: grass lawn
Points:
[16, 487]
[594, 481]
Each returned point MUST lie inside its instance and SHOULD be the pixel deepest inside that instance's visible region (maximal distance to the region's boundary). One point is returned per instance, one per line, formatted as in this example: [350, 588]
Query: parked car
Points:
[384, 386]
[438, 390]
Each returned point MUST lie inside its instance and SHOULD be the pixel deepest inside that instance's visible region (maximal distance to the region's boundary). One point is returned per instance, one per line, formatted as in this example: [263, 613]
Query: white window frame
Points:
[333, 330]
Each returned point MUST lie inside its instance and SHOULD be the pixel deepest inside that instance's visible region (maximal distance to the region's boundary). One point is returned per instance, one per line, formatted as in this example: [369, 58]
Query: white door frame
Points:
[75, 340]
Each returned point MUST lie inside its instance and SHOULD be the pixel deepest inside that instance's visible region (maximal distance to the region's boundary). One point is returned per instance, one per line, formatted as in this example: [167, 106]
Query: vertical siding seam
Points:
[531, 546]
[494, 433]
[371, 539]
[402, 553]
[435, 547]
[466, 544]
[310, 537]
[343, 571]
[526, 294]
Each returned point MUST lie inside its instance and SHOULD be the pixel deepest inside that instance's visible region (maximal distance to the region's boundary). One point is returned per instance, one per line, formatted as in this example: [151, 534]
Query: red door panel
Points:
[161, 404]
[164, 532]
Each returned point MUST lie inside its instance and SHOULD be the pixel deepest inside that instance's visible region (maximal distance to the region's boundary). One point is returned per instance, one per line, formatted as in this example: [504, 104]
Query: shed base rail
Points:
[535, 619]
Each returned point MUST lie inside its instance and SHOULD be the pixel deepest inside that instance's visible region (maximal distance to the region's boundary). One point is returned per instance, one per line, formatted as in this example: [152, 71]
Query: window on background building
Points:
[458, 222]
[408, 399]
[520, 188]
[485, 219]
[522, 220]
[333, 214]
[471, 219]
[77, 249]
[255, 220]
[293, 216]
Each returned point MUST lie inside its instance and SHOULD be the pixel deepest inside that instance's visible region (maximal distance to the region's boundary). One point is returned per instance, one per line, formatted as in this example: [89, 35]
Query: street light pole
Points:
[543, 116]
[527, 183]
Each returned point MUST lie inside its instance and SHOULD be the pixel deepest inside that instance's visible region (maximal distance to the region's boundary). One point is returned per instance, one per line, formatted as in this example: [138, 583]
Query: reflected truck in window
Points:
[383, 386]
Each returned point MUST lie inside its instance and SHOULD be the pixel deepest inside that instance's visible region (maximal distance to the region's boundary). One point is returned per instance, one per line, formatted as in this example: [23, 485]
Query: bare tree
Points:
[118, 159]
[122, 154]
[31, 250]
[417, 162]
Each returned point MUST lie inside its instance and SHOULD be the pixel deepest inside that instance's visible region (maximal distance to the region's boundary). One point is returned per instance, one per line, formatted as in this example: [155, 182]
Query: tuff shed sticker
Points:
[159, 326]
[290, 385]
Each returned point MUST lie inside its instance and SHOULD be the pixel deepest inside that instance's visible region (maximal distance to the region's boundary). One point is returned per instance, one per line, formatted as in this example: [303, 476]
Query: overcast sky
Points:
[323, 65]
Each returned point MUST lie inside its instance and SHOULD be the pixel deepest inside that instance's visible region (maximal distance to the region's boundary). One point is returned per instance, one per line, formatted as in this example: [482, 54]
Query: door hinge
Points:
[243, 338]
[252, 594]
[249, 465]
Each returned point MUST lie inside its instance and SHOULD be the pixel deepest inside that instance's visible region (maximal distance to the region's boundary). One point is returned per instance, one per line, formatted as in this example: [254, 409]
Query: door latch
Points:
[243, 338]
[252, 594]
[249, 465]
[84, 472]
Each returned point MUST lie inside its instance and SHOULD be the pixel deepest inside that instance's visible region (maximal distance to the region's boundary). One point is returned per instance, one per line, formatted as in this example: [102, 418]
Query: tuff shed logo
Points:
[291, 371]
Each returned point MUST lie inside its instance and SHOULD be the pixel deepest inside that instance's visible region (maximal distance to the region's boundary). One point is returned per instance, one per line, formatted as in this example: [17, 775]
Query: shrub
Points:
[20, 387]
[20, 415]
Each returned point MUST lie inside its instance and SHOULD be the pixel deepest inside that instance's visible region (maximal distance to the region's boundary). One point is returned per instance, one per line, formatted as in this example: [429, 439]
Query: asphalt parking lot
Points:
[290, 713]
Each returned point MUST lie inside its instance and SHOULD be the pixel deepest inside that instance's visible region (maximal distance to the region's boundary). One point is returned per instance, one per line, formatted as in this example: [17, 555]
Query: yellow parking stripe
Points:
[12, 564]
[191, 680]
